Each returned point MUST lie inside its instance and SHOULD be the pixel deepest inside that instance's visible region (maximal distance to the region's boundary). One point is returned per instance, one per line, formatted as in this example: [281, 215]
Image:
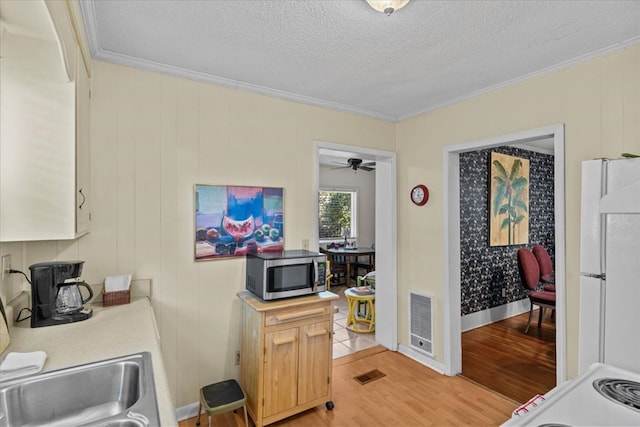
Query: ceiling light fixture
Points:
[387, 6]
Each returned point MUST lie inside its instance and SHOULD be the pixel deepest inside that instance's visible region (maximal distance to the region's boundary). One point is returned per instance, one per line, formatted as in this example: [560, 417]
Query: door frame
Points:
[451, 241]
[386, 236]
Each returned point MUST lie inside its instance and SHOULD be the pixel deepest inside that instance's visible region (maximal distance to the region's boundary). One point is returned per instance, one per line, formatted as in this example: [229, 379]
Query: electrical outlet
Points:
[504, 292]
[6, 266]
[237, 357]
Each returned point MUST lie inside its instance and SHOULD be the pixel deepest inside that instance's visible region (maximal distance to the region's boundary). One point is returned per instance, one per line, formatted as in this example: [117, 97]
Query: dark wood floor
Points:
[409, 394]
[502, 358]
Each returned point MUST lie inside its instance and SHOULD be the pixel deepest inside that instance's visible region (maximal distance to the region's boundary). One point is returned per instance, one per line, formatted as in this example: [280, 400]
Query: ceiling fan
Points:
[356, 164]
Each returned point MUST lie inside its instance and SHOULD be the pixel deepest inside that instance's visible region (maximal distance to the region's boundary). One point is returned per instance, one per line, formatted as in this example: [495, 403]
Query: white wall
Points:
[365, 183]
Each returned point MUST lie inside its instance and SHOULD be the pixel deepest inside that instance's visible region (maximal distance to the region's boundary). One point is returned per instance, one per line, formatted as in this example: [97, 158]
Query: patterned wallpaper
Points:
[485, 270]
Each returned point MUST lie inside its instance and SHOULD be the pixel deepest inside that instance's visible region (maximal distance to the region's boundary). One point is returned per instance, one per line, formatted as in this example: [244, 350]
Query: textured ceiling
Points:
[342, 54]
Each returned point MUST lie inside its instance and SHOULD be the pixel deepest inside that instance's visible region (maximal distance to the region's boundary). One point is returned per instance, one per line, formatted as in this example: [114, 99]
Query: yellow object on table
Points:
[368, 317]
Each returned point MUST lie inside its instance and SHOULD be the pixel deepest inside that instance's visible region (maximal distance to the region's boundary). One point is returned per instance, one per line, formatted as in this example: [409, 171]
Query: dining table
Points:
[351, 255]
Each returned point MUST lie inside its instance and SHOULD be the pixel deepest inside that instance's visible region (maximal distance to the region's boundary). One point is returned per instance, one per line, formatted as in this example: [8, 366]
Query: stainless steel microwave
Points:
[286, 274]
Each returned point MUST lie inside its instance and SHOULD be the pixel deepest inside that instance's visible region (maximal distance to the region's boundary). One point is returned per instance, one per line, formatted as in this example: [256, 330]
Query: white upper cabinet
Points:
[44, 125]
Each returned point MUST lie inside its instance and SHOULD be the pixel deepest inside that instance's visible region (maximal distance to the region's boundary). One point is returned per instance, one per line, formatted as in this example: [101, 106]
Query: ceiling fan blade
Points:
[355, 164]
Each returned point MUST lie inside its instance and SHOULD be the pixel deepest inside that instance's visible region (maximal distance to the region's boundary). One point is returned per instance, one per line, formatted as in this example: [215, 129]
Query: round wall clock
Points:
[419, 194]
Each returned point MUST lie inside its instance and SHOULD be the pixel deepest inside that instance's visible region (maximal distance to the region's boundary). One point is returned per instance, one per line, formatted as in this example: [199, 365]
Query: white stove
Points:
[583, 401]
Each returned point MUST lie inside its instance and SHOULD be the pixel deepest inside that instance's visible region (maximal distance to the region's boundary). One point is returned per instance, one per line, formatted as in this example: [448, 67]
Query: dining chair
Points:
[363, 264]
[547, 276]
[338, 267]
[529, 271]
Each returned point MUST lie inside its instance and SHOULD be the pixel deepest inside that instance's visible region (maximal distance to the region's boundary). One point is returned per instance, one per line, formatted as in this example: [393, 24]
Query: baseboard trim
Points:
[421, 358]
[186, 412]
[495, 314]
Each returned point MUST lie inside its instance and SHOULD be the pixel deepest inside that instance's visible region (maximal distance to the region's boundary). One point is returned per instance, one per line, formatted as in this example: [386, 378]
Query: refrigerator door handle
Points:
[601, 276]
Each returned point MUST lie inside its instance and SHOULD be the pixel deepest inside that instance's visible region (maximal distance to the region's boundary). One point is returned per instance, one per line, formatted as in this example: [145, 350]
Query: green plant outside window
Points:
[336, 213]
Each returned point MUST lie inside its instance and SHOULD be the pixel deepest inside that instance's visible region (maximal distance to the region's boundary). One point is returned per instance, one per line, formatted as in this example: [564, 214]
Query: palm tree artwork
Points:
[509, 224]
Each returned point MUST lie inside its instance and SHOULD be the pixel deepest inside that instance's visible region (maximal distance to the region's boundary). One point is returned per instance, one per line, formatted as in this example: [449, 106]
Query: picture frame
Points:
[508, 200]
[233, 221]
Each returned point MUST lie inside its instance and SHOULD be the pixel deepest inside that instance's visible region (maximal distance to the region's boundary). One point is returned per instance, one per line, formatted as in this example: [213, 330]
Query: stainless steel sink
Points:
[117, 392]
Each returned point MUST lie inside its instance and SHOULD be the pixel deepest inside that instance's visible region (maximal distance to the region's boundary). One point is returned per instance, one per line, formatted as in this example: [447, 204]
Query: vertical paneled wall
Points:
[485, 270]
[153, 137]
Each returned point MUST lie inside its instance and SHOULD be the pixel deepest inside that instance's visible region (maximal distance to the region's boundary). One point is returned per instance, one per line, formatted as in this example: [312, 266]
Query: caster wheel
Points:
[329, 405]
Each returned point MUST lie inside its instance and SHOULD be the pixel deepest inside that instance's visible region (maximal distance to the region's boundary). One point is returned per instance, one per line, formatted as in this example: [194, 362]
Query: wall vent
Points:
[421, 322]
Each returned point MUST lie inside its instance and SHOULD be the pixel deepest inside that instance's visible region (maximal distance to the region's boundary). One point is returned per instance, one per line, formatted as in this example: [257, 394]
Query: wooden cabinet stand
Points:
[287, 355]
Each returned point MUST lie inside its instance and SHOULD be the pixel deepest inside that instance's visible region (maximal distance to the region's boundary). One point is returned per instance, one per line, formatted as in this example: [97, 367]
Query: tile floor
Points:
[345, 341]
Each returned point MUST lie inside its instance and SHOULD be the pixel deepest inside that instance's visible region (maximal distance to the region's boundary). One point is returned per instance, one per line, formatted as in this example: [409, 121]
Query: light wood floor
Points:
[501, 357]
[409, 395]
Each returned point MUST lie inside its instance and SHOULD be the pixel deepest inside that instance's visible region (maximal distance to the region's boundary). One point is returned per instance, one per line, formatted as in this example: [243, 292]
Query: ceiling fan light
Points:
[387, 6]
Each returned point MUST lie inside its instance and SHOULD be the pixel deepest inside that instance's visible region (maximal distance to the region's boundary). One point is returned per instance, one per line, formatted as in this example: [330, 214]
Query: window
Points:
[337, 214]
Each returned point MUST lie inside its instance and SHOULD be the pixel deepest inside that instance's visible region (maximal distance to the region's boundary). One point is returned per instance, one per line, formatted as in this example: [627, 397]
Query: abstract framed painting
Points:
[233, 221]
[508, 200]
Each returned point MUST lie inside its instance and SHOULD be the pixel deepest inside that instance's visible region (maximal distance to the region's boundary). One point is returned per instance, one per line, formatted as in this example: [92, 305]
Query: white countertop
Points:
[111, 332]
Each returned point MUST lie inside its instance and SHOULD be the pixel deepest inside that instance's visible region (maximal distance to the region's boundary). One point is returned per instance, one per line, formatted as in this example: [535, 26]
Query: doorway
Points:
[451, 272]
[385, 235]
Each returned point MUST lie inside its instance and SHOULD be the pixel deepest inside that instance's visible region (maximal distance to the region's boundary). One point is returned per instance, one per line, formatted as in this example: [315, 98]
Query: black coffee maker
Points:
[47, 279]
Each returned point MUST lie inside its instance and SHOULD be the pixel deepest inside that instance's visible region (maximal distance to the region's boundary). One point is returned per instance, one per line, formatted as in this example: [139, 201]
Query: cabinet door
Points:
[315, 361]
[83, 119]
[280, 371]
[37, 124]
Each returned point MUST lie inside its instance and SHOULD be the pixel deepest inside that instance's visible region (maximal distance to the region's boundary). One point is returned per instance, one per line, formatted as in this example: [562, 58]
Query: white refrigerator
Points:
[610, 264]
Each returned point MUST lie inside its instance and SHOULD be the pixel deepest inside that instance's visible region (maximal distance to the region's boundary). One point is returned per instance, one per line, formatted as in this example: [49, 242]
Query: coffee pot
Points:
[55, 293]
[69, 299]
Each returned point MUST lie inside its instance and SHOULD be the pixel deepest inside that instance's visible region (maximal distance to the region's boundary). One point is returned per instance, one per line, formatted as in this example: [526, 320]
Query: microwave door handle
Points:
[314, 279]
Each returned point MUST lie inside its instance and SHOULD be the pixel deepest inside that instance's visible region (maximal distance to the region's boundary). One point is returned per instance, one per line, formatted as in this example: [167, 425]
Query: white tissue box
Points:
[117, 283]
[116, 290]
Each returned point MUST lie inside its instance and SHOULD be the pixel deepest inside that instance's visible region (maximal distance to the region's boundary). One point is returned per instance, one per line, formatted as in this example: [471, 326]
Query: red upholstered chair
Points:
[547, 276]
[530, 278]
